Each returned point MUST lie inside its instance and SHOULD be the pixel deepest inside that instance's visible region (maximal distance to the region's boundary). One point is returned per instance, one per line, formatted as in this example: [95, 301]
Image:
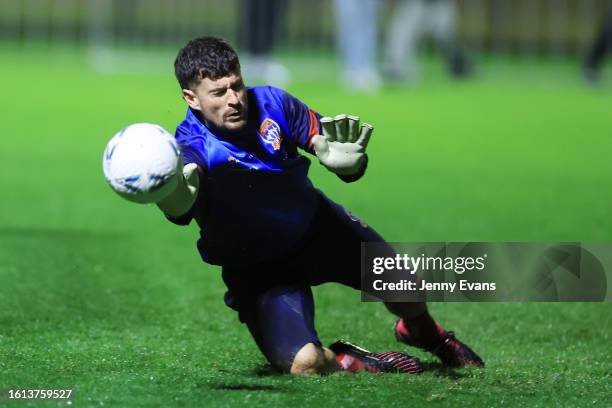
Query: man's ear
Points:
[191, 99]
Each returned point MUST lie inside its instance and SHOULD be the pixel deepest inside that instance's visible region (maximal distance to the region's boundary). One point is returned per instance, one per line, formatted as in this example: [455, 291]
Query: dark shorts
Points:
[274, 298]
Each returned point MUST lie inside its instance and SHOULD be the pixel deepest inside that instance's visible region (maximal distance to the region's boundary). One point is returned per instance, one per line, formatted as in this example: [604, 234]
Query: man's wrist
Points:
[177, 203]
[182, 199]
[350, 178]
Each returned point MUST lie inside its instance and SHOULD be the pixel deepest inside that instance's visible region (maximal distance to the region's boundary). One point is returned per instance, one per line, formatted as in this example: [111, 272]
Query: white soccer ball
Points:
[141, 163]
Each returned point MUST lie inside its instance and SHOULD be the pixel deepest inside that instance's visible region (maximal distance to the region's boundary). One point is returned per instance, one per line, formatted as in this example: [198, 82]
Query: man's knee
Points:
[313, 359]
[406, 309]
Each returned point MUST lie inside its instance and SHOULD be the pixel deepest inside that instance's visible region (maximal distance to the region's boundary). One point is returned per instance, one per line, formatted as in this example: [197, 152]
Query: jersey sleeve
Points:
[303, 122]
[191, 148]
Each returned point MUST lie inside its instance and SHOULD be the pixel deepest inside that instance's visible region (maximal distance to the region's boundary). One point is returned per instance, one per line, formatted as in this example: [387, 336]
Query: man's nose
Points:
[233, 98]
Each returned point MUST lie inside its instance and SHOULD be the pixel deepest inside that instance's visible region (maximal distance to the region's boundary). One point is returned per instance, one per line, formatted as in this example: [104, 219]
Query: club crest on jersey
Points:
[270, 133]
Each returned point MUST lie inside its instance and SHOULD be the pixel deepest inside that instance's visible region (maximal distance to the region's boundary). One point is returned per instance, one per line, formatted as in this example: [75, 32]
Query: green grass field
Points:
[106, 297]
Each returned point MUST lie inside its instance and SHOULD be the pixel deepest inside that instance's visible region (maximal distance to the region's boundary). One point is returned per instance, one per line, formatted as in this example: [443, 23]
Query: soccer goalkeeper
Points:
[274, 234]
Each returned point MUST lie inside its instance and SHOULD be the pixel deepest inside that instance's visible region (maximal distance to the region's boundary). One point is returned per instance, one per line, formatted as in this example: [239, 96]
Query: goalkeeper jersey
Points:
[255, 200]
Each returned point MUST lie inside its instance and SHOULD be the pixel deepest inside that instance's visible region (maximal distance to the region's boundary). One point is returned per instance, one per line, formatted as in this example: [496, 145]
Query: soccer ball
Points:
[141, 163]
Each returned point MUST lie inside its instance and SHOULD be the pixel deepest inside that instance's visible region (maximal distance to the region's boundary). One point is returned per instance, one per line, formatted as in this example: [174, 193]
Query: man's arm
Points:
[303, 122]
[343, 139]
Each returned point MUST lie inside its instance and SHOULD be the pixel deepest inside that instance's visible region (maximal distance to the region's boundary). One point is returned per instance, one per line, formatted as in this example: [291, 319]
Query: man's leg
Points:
[598, 50]
[356, 31]
[334, 255]
[402, 40]
[416, 316]
[281, 321]
[443, 18]
[314, 359]
[417, 328]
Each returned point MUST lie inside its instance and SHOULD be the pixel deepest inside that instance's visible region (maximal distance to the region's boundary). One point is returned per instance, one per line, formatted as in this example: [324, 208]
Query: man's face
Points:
[222, 102]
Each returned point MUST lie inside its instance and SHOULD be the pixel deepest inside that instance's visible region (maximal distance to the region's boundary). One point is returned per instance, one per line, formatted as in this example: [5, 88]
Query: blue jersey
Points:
[256, 201]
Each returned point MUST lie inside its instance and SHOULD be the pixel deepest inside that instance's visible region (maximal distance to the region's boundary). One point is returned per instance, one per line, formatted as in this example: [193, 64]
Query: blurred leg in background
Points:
[357, 35]
[410, 21]
[443, 22]
[403, 34]
[260, 21]
[599, 49]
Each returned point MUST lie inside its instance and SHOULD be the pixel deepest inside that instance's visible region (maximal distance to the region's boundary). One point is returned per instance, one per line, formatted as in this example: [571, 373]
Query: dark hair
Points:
[204, 57]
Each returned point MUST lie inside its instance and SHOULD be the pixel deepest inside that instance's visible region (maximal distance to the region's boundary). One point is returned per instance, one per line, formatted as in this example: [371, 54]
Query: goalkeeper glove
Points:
[341, 148]
[183, 197]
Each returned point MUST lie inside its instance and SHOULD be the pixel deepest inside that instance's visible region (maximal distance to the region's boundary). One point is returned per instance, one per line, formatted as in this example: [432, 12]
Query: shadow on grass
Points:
[436, 369]
[247, 387]
[266, 370]
[439, 370]
[261, 371]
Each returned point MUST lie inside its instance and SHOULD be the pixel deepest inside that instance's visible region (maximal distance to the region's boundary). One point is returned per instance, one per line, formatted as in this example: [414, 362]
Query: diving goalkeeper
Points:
[275, 235]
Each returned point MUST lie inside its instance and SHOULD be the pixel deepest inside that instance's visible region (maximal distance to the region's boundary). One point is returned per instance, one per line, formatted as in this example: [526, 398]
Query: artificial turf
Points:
[107, 298]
